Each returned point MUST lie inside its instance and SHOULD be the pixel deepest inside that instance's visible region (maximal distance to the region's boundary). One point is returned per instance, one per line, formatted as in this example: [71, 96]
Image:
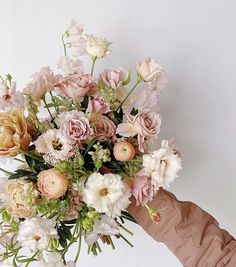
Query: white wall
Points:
[195, 42]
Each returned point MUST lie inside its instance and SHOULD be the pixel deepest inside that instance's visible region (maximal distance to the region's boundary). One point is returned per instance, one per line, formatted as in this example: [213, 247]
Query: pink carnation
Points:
[76, 85]
[143, 189]
[104, 128]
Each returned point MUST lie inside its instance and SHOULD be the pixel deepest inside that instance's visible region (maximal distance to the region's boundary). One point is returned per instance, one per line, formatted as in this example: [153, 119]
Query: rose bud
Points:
[124, 151]
[52, 183]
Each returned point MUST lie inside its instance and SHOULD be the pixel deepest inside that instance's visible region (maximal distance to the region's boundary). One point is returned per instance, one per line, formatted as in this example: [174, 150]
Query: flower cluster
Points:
[83, 142]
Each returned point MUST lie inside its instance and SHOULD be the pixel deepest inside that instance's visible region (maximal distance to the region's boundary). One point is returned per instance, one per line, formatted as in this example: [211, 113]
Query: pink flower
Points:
[98, 105]
[149, 70]
[42, 81]
[143, 189]
[76, 85]
[75, 127]
[104, 128]
[10, 98]
[115, 78]
[145, 124]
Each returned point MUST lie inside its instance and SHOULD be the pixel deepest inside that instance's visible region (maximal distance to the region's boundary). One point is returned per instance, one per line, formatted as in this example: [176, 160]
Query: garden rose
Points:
[149, 70]
[76, 85]
[142, 188]
[115, 78]
[52, 183]
[145, 124]
[22, 198]
[104, 128]
[97, 47]
[75, 126]
[98, 105]
[13, 133]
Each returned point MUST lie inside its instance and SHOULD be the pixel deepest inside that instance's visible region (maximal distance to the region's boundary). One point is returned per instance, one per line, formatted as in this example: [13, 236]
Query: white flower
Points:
[3, 188]
[149, 70]
[53, 259]
[70, 65]
[163, 165]
[107, 193]
[6, 264]
[75, 28]
[97, 47]
[35, 233]
[103, 226]
[53, 144]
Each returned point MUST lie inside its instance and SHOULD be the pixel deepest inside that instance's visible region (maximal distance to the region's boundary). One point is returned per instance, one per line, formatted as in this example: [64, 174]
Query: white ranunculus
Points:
[70, 65]
[107, 193]
[163, 165]
[35, 233]
[53, 259]
[97, 47]
[149, 70]
[103, 226]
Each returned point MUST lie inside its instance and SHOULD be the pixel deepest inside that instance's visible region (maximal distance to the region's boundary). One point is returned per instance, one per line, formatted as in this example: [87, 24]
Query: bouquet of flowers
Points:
[82, 144]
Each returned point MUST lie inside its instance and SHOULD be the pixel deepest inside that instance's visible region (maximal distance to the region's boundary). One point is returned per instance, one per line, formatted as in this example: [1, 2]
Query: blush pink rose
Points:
[142, 188]
[115, 78]
[98, 105]
[146, 124]
[76, 85]
[76, 127]
[104, 128]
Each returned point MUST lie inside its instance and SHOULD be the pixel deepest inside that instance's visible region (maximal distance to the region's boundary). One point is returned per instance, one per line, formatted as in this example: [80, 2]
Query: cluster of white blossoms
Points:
[53, 259]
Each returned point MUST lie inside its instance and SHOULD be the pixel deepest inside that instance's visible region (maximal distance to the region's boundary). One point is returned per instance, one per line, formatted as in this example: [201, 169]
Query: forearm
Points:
[189, 232]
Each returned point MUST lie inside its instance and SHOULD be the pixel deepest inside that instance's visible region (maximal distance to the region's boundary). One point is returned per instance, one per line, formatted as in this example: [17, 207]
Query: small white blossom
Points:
[53, 259]
[107, 193]
[103, 226]
[35, 233]
[100, 153]
[70, 65]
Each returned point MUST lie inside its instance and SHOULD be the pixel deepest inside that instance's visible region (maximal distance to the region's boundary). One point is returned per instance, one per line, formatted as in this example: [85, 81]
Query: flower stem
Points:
[48, 109]
[7, 172]
[64, 44]
[130, 92]
[31, 154]
[80, 242]
[93, 65]
[54, 103]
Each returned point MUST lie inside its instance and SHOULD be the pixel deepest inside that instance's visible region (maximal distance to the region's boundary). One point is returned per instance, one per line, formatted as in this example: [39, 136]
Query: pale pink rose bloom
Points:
[76, 127]
[70, 65]
[104, 128]
[149, 70]
[146, 124]
[142, 188]
[115, 78]
[76, 86]
[10, 98]
[42, 82]
[98, 105]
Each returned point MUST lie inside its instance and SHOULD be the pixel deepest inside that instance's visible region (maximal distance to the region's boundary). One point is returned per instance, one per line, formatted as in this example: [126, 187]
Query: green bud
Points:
[78, 162]
[53, 244]
[62, 165]
[6, 217]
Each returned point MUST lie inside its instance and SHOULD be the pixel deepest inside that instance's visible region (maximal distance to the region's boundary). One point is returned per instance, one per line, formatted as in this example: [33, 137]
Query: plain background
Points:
[195, 42]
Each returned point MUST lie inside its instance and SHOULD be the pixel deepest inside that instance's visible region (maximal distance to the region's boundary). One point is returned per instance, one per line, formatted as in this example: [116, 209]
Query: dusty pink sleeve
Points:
[188, 231]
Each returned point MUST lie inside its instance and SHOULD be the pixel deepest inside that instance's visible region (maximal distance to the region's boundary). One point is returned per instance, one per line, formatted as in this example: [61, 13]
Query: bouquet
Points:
[82, 143]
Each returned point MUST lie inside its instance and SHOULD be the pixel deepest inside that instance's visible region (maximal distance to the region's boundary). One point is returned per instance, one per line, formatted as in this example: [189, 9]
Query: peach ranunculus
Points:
[146, 124]
[22, 198]
[13, 133]
[142, 188]
[52, 183]
[104, 128]
[76, 86]
[149, 70]
[42, 81]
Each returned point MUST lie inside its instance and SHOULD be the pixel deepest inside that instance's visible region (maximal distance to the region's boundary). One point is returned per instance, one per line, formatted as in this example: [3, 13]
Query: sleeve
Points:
[188, 231]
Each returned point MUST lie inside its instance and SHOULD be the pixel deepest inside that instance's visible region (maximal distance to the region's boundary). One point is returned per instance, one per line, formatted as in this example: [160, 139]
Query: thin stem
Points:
[7, 172]
[80, 243]
[126, 240]
[54, 103]
[93, 65]
[20, 160]
[130, 92]
[64, 44]
[31, 154]
[48, 108]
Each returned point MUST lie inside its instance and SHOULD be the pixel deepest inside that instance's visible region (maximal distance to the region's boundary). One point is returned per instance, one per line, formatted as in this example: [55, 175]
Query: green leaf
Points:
[90, 144]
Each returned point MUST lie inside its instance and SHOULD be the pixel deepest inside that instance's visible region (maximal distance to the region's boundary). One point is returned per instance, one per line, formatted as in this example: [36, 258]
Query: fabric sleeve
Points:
[188, 231]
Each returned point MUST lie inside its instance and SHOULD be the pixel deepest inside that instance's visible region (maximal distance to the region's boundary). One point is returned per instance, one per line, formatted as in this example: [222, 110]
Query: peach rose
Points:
[52, 183]
[13, 133]
[104, 128]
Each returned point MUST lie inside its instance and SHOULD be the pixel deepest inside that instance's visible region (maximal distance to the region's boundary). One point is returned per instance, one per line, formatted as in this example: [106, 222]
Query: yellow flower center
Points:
[104, 192]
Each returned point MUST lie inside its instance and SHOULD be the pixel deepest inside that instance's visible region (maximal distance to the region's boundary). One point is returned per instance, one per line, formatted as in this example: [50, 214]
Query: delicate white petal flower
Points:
[75, 28]
[70, 65]
[53, 259]
[103, 226]
[163, 165]
[35, 233]
[52, 143]
[107, 193]
[97, 47]
[6, 264]
[3, 189]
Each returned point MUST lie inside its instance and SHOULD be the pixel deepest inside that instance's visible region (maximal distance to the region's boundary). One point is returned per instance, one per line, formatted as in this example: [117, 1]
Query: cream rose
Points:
[97, 47]
[52, 183]
[22, 198]
[13, 133]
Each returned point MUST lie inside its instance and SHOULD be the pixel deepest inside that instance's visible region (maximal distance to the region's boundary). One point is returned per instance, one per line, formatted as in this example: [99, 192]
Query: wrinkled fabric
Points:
[189, 232]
